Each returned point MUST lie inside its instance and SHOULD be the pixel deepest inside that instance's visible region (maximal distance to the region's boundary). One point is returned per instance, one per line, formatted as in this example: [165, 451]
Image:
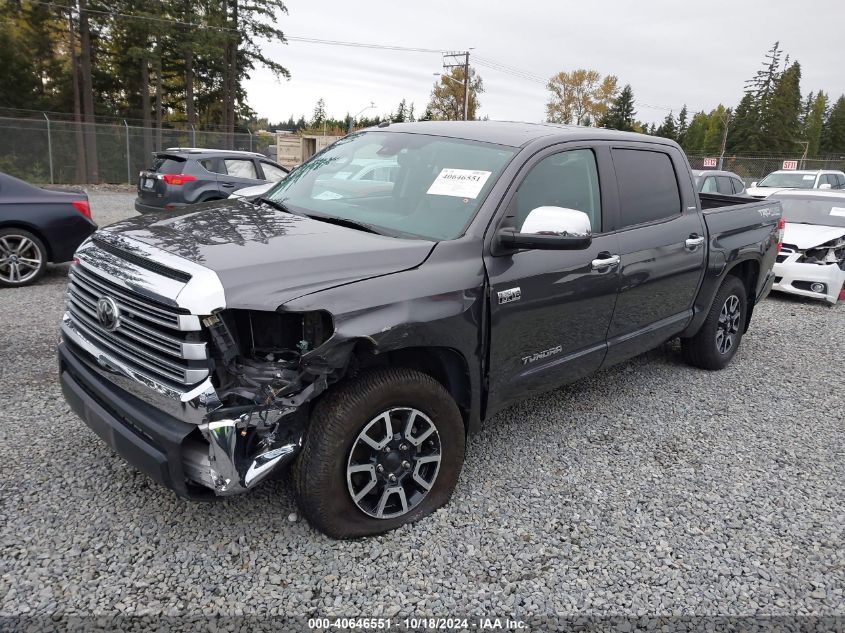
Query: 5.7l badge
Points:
[510, 295]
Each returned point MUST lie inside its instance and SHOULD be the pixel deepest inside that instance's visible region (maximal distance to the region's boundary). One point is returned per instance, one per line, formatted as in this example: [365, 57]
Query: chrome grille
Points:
[157, 340]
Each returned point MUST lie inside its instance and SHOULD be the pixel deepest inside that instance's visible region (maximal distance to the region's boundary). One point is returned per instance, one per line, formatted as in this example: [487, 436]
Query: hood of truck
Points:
[265, 257]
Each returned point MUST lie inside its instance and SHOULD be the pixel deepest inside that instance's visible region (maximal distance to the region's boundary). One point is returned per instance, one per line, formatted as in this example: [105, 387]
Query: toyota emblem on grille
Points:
[107, 313]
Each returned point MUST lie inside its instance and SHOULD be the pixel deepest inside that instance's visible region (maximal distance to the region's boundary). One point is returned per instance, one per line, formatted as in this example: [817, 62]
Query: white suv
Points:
[791, 179]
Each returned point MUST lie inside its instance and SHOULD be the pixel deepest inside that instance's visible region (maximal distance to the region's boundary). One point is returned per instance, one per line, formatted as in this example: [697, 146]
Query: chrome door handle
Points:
[598, 264]
[692, 242]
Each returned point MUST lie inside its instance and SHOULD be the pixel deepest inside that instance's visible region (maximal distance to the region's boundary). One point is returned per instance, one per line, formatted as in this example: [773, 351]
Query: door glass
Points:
[648, 188]
[271, 172]
[240, 168]
[569, 179]
[723, 184]
[709, 185]
[739, 187]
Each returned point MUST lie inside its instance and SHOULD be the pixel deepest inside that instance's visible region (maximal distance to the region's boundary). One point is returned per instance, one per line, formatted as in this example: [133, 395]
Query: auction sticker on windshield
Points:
[460, 183]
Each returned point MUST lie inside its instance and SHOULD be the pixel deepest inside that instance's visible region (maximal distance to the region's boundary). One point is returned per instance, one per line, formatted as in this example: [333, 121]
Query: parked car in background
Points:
[792, 179]
[38, 226]
[717, 181]
[360, 177]
[182, 176]
[360, 337]
[811, 261]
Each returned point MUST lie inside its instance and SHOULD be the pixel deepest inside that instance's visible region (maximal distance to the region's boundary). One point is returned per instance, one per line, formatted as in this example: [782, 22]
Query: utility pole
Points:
[724, 138]
[465, 66]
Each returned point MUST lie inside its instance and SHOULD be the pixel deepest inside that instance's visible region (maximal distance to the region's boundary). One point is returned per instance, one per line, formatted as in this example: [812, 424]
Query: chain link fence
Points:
[52, 151]
[754, 168]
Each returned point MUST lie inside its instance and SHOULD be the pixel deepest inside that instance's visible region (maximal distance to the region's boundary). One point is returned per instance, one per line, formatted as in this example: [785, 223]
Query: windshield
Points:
[791, 180]
[829, 212]
[400, 184]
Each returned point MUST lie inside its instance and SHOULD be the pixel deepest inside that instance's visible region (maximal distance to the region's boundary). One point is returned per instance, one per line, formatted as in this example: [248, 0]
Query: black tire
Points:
[34, 249]
[320, 471]
[707, 349]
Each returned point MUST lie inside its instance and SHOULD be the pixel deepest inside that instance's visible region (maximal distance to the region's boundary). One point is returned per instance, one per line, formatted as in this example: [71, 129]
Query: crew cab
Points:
[359, 336]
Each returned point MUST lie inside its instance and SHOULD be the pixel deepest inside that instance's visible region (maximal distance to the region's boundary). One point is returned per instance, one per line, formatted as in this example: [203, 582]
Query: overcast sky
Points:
[671, 52]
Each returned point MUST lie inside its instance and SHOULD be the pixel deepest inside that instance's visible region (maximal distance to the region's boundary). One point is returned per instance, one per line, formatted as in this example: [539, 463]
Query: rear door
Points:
[237, 172]
[550, 309]
[662, 248]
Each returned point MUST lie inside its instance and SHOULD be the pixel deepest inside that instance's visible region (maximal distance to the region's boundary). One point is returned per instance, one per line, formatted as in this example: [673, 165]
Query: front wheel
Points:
[382, 450]
[716, 343]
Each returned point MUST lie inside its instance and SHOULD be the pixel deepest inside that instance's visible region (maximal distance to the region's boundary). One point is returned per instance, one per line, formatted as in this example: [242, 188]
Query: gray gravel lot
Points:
[649, 488]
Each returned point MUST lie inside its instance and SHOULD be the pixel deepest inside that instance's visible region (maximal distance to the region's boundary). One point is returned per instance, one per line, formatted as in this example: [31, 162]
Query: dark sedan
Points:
[38, 226]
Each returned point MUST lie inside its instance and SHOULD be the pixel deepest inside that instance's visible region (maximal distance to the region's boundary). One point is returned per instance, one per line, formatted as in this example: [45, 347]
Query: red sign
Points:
[790, 164]
[711, 162]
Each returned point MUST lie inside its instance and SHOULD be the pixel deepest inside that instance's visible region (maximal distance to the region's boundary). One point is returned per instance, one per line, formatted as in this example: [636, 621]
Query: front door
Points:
[550, 309]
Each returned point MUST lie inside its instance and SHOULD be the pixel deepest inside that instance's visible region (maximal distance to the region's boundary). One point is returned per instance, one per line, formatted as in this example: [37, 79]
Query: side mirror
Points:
[825, 186]
[754, 184]
[549, 228]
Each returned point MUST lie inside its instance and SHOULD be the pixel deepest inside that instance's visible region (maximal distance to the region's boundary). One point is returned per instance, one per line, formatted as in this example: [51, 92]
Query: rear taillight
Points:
[178, 179]
[781, 228]
[82, 207]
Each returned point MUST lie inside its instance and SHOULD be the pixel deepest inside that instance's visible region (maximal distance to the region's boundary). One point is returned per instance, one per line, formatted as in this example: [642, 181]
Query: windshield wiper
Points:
[281, 206]
[352, 224]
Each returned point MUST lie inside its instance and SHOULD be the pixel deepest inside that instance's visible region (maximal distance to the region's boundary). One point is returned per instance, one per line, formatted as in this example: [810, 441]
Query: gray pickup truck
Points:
[358, 329]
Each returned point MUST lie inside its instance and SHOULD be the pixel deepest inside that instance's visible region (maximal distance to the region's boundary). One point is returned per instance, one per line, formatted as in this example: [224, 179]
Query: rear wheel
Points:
[718, 339]
[382, 450]
[23, 257]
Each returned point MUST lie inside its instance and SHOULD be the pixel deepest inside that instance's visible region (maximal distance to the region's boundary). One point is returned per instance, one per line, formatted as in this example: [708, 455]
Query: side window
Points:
[723, 185]
[709, 185]
[648, 188]
[240, 168]
[211, 165]
[271, 172]
[739, 186]
[840, 180]
[569, 179]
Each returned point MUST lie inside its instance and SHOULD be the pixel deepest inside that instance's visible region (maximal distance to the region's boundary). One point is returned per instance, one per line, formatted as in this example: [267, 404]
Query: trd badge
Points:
[510, 295]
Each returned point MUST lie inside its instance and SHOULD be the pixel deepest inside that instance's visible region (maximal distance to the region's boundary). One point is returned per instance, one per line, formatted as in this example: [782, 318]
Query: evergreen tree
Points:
[319, 116]
[814, 123]
[714, 134]
[782, 119]
[744, 133]
[620, 115]
[833, 137]
[683, 124]
[401, 113]
[668, 129]
[694, 138]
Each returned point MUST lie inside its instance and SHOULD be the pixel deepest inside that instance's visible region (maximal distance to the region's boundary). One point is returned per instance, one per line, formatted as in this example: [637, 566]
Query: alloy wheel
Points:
[20, 259]
[393, 463]
[728, 326]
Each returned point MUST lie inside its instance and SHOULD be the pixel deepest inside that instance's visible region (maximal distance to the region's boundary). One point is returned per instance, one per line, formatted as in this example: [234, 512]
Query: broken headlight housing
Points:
[832, 252]
[257, 355]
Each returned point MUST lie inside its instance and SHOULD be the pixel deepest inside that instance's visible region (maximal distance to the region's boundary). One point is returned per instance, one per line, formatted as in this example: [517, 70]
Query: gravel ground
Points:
[649, 488]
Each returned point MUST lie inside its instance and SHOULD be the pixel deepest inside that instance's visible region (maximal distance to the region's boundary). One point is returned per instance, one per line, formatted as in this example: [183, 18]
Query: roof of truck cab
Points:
[513, 133]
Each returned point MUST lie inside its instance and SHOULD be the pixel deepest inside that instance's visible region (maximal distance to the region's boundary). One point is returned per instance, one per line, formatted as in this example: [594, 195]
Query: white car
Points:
[811, 261]
[792, 179]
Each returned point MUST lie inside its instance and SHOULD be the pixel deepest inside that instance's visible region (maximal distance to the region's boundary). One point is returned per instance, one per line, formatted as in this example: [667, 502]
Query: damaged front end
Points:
[263, 374]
